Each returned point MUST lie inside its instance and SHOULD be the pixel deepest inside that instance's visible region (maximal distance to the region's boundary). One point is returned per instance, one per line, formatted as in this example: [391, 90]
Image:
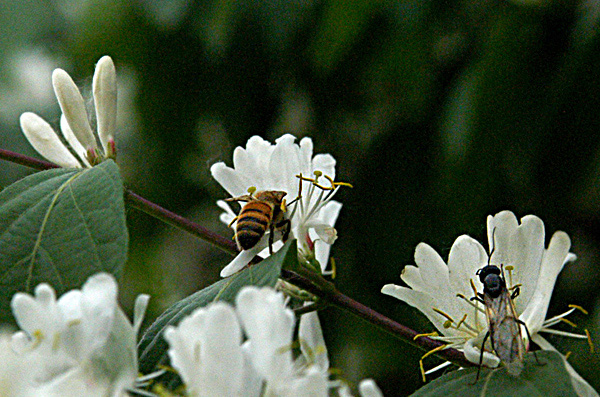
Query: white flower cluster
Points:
[267, 166]
[208, 350]
[442, 291]
[74, 123]
[81, 344]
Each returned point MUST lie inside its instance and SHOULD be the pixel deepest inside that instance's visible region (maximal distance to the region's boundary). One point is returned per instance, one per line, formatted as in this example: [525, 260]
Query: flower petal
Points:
[73, 141]
[473, 353]
[43, 139]
[233, 182]
[552, 263]
[73, 107]
[240, 261]
[368, 388]
[105, 100]
[312, 343]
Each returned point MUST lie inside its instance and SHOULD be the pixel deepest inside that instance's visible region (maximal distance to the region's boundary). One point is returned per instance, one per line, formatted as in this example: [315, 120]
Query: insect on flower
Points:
[264, 210]
[504, 326]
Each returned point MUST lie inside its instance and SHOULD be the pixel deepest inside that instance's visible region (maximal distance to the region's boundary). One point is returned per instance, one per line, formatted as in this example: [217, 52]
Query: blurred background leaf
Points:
[439, 113]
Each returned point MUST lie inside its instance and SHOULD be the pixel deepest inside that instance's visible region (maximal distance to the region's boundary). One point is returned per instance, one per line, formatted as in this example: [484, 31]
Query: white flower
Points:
[16, 372]
[275, 167]
[81, 342]
[434, 286]
[206, 349]
[74, 122]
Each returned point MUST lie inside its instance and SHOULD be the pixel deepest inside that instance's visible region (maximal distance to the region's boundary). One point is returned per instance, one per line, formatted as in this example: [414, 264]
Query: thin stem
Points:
[336, 298]
[306, 280]
[178, 221]
[26, 160]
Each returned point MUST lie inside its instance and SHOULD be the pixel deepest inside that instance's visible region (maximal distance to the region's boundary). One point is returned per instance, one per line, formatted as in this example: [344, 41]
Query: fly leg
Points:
[487, 335]
[529, 337]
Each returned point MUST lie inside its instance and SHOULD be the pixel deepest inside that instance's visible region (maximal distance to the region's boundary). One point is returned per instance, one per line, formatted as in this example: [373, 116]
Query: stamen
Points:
[430, 334]
[343, 184]
[462, 320]
[568, 355]
[571, 323]
[429, 353]
[589, 338]
[473, 286]
[579, 308]
[563, 333]
[333, 268]
[435, 369]
[443, 314]
[556, 319]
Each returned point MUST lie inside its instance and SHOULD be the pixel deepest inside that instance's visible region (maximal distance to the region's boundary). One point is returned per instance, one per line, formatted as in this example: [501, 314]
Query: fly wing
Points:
[505, 332]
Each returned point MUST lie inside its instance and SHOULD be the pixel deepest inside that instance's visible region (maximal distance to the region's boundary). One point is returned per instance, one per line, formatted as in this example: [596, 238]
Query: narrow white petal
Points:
[473, 353]
[312, 343]
[269, 326]
[43, 139]
[235, 183]
[465, 258]
[552, 263]
[67, 133]
[139, 310]
[368, 388]
[582, 388]
[73, 107]
[240, 261]
[105, 99]
[324, 163]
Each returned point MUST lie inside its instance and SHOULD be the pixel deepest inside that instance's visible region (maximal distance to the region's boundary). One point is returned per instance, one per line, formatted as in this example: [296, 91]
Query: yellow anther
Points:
[430, 334]
[333, 268]
[343, 184]
[579, 308]
[429, 353]
[473, 286]
[443, 314]
[321, 186]
[447, 324]
[232, 221]
[251, 190]
[571, 323]
[462, 320]
[283, 206]
[589, 338]
[568, 355]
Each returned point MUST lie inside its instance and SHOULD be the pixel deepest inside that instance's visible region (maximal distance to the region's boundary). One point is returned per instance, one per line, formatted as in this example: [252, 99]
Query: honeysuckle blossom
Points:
[208, 351]
[442, 291]
[82, 343]
[75, 123]
[267, 166]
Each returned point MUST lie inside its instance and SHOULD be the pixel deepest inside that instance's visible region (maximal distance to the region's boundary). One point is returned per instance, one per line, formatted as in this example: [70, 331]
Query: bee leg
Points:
[529, 336]
[286, 224]
[487, 335]
[271, 235]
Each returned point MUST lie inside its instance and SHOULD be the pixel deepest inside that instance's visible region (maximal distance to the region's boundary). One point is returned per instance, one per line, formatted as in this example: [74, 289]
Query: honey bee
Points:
[264, 210]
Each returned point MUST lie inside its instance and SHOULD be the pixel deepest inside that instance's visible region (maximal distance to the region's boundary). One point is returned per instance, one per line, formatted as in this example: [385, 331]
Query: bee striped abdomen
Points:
[253, 221]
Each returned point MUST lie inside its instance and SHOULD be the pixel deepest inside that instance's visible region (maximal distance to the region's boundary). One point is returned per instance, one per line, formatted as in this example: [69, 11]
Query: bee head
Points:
[490, 277]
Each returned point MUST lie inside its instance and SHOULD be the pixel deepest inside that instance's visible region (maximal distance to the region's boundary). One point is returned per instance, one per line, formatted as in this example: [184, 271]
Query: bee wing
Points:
[505, 331]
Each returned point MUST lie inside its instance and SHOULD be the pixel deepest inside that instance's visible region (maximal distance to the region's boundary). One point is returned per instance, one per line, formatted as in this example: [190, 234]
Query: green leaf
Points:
[153, 348]
[548, 379]
[59, 227]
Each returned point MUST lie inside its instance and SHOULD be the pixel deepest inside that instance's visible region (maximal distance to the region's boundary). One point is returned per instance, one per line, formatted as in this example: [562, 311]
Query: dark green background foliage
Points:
[439, 113]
